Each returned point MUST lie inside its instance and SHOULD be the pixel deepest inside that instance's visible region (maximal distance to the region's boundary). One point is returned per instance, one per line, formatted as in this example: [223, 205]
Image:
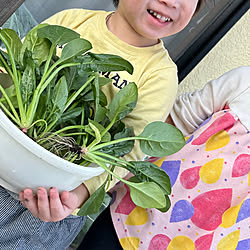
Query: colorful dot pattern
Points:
[210, 194]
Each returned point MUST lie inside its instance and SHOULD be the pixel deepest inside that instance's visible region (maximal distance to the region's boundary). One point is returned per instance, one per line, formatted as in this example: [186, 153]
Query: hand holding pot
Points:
[55, 206]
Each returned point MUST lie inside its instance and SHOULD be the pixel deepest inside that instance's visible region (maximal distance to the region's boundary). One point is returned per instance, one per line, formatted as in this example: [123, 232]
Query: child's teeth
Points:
[158, 16]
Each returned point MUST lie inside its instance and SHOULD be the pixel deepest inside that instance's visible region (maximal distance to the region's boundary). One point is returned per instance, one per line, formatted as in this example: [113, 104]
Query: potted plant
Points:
[56, 127]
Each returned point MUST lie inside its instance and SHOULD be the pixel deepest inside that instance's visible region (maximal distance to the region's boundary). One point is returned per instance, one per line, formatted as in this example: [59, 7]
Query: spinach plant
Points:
[58, 101]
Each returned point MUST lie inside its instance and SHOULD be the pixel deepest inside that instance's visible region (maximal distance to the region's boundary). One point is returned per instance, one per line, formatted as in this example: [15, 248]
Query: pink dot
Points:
[248, 146]
[225, 162]
[189, 197]
[165, 227]
[235, 133]
[207, 156]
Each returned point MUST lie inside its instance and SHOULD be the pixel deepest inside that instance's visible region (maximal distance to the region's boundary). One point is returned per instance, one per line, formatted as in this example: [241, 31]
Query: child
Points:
[132, 32]
[209, 177]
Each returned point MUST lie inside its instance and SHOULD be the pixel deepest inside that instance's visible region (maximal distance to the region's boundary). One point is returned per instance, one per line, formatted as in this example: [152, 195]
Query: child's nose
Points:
[169, 3]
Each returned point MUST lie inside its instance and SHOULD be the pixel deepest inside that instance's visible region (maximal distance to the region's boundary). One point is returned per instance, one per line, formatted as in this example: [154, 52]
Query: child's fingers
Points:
[29, 201]
[56, 208]
[43, 204]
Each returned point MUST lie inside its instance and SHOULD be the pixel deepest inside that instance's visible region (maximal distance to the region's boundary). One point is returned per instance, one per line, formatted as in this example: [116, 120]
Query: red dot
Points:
[179, 229]
[172, 195]
[141, 242]
[235, 133]
[165, 227]
[248, 146]
[125, 230]
[225, 162]
[189, 197]
[207, 156]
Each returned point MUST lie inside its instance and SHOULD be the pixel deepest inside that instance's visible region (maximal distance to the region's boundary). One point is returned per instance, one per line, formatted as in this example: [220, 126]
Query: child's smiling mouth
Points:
[158, 16]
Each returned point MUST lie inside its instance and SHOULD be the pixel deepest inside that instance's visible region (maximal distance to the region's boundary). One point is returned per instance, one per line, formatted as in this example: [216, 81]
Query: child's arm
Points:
[54, 207]
[232, 89]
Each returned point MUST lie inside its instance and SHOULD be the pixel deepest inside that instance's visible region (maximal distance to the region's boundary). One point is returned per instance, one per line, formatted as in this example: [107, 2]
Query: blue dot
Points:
[118, 219]
[221, 234]
[153, 223]
[237, 142]
[248, 132]
[225, 179]
[188, 226]
[193, 161]
[197, 149]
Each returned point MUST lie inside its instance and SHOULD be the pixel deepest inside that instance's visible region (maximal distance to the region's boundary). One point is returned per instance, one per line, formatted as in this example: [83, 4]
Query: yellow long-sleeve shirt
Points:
[154, 73]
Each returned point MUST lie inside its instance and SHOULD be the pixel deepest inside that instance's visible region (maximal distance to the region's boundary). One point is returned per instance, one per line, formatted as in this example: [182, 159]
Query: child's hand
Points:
[54, 207]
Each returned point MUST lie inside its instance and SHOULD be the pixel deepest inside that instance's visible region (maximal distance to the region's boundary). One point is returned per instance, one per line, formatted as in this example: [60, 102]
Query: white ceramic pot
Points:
[25, 164]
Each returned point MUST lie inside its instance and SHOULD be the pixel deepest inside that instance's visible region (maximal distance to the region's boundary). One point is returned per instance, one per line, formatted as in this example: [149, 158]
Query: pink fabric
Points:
[210, 194]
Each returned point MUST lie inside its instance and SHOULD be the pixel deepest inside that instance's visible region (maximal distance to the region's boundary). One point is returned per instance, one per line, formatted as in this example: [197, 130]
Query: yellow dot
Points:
[221, 152]
[199, 191]
[197, 234]
[238, 197]
[183, 159]
[233, 152]
[149, 233]
[138, 230]
[241, 182]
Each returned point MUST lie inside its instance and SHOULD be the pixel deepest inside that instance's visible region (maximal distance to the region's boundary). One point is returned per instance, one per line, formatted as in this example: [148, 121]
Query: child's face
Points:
[153, 19]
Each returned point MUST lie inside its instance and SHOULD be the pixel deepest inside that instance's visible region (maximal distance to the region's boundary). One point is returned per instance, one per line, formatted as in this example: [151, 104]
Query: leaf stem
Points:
[14, 77]
[94, 148]
[73, 97]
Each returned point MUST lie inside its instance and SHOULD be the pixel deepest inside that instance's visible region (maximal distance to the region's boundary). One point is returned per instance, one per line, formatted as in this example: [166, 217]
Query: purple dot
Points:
[248, 132]
[197, 149]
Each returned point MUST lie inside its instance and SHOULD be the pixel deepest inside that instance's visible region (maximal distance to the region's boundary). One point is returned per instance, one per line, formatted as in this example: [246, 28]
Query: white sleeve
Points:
[232, 89]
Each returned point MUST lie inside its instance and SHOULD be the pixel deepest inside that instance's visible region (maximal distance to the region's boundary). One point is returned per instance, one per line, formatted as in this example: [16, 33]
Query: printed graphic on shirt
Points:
[117, 81]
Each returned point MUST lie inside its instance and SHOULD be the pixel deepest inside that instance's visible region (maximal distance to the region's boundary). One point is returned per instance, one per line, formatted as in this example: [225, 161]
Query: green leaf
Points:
[57, 34]
[100, 113]
[74, 48]
[147, 195]
[11, 93]
[168, 205]
[160, 139]
[57, 101]
[104, 63]
[28, 82]
[60, 94]
[92, 129]
[14, 42]
[123, 102]
[147, 171]
[122, 148]
[39, 47]
[94, 203]
[70, 116]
